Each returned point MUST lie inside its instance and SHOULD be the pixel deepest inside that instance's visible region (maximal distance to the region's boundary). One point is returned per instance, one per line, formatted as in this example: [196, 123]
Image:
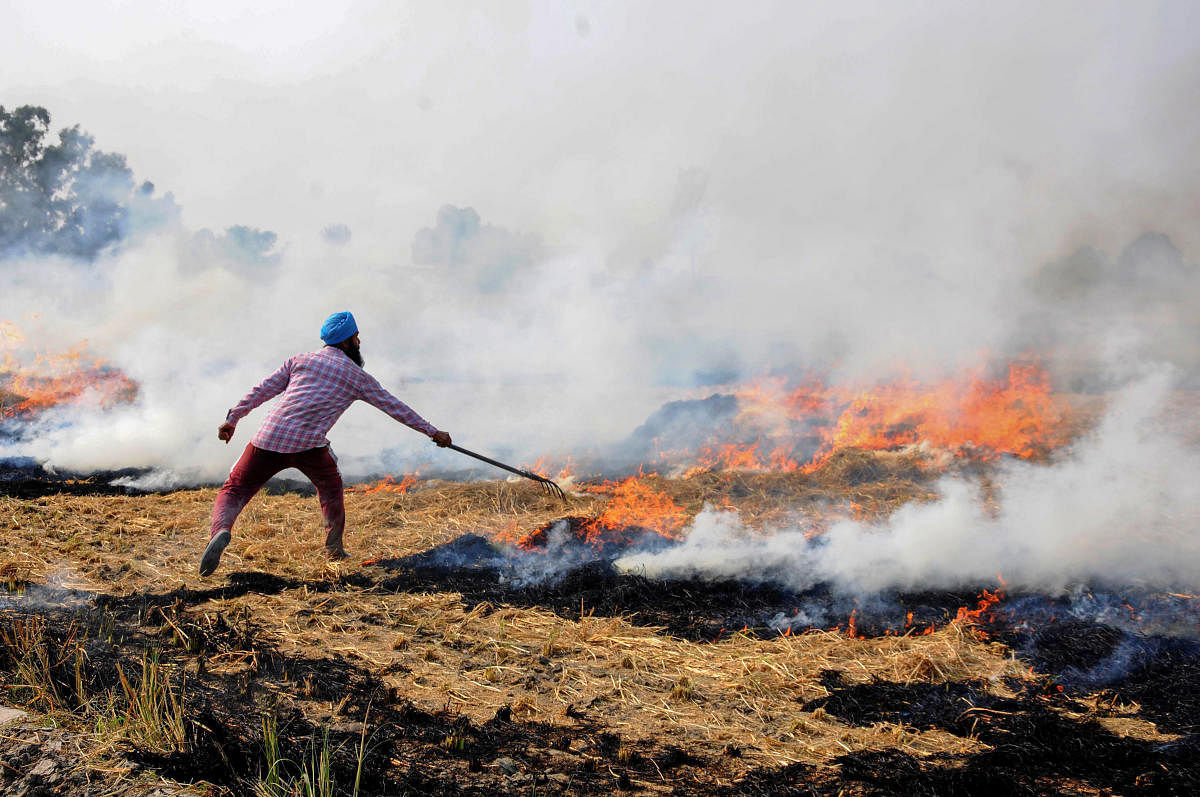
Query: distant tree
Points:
[251, 243]
[336, 234]
[462, 242]
[245, 250]
[64, 197]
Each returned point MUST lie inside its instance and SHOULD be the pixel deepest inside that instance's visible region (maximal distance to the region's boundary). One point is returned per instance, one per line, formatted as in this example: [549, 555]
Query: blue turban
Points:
[338, 327]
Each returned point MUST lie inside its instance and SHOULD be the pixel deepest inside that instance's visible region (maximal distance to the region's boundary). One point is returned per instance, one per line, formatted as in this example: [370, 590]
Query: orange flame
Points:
[544, 466]
[633, 509]
[634, 504]
[987, 599]
[387, 484]
[851, 626]
[54, 379]
[970, 415]
[1017, 415]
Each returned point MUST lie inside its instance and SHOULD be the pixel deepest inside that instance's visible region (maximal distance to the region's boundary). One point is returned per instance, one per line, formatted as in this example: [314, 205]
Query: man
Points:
[317, 388]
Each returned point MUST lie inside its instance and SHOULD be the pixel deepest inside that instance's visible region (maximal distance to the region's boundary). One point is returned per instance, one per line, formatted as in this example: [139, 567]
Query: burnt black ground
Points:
[695, 609]
[1035, 744]
[21, 485]
[1040, 741]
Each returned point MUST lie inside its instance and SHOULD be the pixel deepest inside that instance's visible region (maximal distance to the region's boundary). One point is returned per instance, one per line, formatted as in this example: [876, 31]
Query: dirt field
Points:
[416, 669]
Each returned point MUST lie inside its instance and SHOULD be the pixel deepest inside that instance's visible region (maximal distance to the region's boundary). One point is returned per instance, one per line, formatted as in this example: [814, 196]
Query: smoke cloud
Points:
[564, 216]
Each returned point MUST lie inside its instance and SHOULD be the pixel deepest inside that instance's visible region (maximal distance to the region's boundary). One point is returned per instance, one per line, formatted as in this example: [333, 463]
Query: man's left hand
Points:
[442, 439]
[225, 431]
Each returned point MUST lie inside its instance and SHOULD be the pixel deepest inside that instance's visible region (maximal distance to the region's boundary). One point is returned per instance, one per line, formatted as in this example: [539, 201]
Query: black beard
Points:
[353, 352]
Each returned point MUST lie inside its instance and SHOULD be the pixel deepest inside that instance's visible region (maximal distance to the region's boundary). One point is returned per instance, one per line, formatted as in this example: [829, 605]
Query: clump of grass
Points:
[454, 743]
[271, 783]
[683, 690]
[48, 672]
[11, 576]
[153, 714]
[361, 751]
[549, 648]
[315, 776]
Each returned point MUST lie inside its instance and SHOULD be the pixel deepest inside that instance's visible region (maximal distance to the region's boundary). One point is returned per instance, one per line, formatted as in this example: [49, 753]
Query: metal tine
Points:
[552, 488]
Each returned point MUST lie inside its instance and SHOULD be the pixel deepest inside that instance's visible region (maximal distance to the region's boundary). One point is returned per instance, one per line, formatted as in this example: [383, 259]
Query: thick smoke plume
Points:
[549, 227]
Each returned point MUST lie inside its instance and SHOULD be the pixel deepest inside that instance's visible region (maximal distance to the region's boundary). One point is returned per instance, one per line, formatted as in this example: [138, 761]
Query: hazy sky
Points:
[708, 184]
[983, 122]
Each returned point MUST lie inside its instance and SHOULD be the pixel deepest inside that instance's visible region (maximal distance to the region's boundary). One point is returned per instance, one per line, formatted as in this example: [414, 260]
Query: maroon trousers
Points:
[257, 465]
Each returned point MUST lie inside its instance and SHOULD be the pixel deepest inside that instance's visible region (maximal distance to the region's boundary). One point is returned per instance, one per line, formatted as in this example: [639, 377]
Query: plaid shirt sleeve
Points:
[374, 394]
[266, 390]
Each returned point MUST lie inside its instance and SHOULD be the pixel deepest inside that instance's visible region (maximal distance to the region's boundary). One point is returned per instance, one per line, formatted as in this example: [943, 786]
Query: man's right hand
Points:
[442, 439]
[225, 431]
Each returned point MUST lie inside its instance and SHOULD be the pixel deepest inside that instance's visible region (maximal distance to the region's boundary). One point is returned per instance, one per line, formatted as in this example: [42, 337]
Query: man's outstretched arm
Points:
[374, 394]
[266, 390]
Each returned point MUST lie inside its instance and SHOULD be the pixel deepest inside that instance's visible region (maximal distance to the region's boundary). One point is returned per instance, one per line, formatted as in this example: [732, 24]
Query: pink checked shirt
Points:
[317, 388]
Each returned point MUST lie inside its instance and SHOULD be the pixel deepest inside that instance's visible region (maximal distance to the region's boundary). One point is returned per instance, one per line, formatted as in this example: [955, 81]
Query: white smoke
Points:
[660, 198]
[1122, 508]
[531, 379]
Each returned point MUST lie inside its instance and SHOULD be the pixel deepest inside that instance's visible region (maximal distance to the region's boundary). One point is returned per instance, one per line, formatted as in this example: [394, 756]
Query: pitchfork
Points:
[549, 486]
